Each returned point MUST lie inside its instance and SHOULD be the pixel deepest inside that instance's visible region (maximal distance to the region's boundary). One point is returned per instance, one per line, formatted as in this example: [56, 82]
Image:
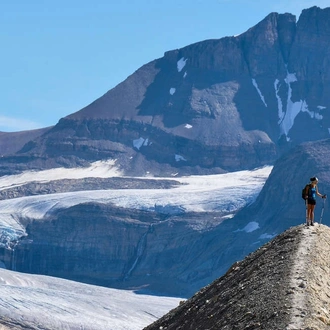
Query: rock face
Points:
[282, 285]
[217, 105]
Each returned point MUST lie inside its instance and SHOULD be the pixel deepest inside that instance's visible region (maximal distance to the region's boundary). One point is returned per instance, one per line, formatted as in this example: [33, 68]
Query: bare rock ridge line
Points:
[318, 284]
[285, 284]
[299, 280]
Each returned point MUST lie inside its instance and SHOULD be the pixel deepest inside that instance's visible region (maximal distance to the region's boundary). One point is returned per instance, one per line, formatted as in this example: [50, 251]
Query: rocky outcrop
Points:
[282, 285]
[217, 105]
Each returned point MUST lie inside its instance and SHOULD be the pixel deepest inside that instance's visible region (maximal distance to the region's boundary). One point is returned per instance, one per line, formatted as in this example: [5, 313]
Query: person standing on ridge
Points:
[310, 198]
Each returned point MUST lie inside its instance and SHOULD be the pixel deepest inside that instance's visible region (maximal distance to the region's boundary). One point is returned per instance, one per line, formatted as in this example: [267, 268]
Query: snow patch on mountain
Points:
[279, 101]
[179, 158]
[250, 227]
[138, 143]
[181, 64]
[98, 169]
[286, 119]
[267, 236]
[254, 82]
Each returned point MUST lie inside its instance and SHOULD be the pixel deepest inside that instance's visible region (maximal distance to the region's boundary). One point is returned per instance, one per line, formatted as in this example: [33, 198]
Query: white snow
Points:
[267, 236]
[185, 75]
[292, 108]
[320, 107]
[55, 303]
[99, 169]
[223, 193]
[172, 90]
[250, 227]
[290, 78]
[286, 119]
[317, 116]
[181, 64]
[138, 143]
[254, 82]
[279, 102]
[179, 158]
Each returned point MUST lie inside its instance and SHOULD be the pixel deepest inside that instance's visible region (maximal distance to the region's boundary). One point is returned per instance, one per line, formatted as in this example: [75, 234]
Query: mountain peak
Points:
[217, 105]
[282, 285]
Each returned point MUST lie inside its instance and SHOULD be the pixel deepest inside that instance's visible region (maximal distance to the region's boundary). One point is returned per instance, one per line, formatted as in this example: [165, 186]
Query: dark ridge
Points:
[270, 289]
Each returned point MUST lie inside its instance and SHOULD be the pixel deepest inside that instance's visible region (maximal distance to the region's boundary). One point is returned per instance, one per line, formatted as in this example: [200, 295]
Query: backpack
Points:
[305, 191]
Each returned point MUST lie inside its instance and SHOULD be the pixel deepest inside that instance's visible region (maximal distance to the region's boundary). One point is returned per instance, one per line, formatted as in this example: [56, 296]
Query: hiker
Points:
[310, 198]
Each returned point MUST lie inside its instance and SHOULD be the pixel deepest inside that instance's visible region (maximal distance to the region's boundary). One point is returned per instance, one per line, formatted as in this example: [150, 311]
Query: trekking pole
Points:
[322, 211]
[306, 212]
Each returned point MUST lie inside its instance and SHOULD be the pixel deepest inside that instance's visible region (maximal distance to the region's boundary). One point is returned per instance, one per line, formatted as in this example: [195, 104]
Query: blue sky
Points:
[59, 56]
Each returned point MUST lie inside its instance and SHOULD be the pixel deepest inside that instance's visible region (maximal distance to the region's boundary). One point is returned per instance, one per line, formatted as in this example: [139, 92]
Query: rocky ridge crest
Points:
[283, 285]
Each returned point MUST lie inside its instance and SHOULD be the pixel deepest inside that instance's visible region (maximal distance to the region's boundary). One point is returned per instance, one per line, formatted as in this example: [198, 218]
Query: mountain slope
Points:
[279, 204]
[218, 105]
[11, 142]
[282, 285]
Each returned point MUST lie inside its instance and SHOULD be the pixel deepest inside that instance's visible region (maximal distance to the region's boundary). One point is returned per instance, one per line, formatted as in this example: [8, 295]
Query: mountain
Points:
[214, 106]
[282, 285]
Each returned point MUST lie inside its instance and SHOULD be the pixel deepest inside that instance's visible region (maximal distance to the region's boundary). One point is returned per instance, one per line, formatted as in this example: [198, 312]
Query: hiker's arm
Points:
[317, 192]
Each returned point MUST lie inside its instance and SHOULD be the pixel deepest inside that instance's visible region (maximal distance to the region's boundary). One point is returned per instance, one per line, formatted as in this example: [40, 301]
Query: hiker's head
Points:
[314, 179]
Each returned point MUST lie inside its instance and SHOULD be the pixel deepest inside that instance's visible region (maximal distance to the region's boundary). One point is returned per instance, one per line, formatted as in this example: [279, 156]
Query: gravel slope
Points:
[285, 284]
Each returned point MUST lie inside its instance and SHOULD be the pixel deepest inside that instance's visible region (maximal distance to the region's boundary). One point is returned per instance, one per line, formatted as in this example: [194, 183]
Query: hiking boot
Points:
[312, 223]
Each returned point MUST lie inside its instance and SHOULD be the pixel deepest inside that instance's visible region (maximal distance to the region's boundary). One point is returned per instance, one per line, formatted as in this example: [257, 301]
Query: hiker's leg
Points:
[309, 211]
[312, 213]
